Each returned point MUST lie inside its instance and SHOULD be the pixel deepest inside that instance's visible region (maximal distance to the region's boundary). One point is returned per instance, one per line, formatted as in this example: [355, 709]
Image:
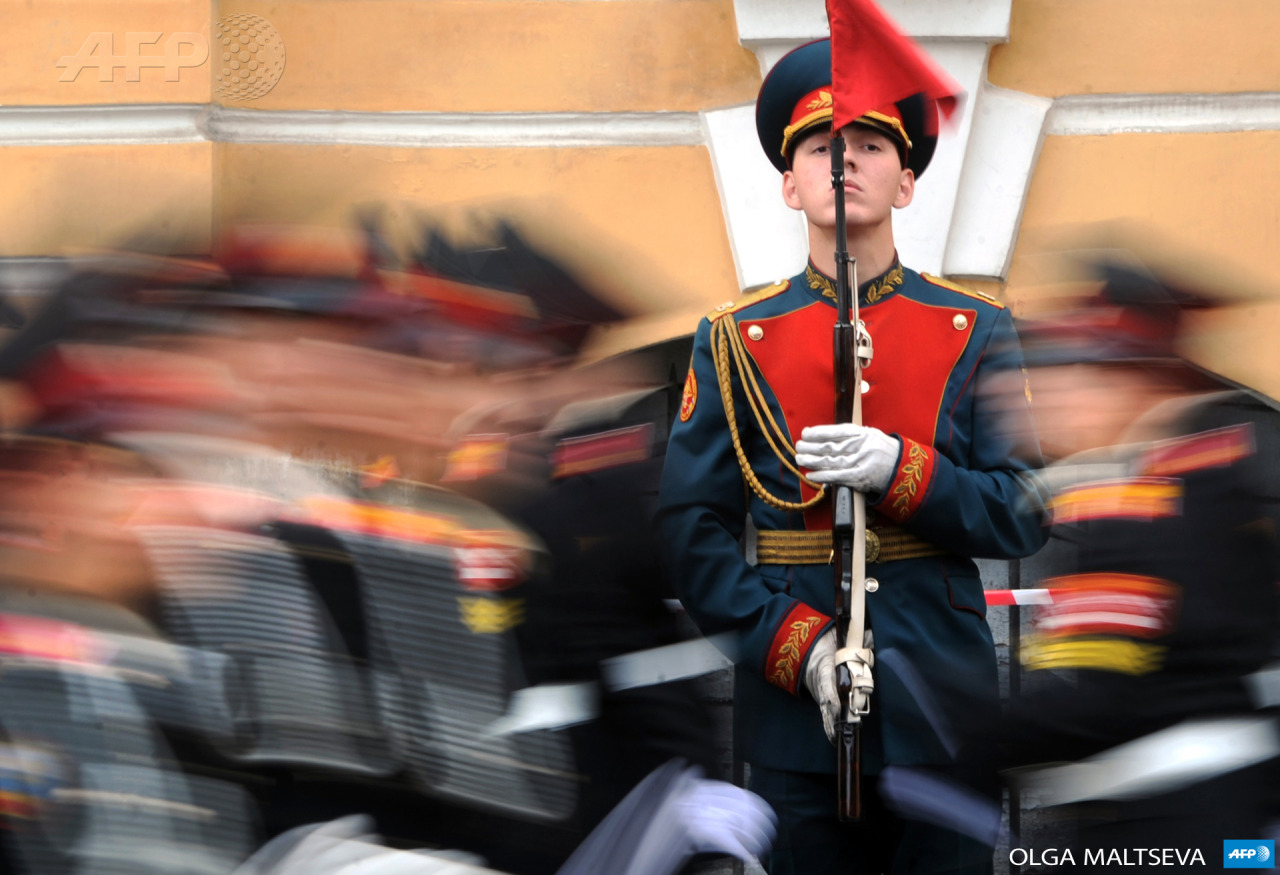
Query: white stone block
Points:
[1007, 131]
[769, 239]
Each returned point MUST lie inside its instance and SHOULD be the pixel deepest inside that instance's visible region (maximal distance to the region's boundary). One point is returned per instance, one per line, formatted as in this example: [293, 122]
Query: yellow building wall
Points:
[506, 55]
[1212, 193]
[56, 200]
[39, 33]
[1205, 198]
[1059, 47]
[401, 55]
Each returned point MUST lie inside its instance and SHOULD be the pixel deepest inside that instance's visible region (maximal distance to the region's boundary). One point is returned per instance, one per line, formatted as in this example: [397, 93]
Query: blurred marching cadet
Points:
[360, 627]
[1162, 574]
[747, 534]
[374, 367]
[78, 596]
[574, 454]
[69, 497]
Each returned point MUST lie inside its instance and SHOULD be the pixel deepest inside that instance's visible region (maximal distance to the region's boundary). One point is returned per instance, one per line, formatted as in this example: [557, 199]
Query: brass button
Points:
[871, 584]
[755, 332]
[961, 322]
[873, 546]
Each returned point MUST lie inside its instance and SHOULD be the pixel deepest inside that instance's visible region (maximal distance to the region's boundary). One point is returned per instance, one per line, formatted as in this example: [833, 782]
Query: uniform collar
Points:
[872, 291]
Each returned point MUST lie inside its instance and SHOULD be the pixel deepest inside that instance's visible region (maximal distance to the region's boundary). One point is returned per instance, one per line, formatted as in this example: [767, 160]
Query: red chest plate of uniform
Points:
[916, 345]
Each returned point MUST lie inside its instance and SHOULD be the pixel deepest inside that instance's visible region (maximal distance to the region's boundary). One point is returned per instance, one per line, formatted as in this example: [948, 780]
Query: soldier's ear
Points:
[789, 193]
[906, 189]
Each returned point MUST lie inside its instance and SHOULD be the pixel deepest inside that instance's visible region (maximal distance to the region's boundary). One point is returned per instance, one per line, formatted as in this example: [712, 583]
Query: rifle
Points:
[848, 513]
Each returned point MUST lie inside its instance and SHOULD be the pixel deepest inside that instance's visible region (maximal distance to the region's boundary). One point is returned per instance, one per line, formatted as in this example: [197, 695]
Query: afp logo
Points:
[1248, 854]
[247, 54]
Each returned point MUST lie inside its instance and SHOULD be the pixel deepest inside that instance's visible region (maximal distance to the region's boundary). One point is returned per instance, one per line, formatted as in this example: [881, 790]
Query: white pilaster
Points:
[922, 229]
[769, 239]
[1006, 137]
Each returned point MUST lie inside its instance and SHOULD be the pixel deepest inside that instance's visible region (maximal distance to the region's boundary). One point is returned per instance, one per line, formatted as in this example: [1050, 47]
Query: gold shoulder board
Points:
[972, 293]
[749, 297]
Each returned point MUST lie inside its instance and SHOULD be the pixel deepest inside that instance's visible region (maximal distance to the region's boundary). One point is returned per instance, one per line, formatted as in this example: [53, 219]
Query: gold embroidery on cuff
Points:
[913, 473]
[791, 652]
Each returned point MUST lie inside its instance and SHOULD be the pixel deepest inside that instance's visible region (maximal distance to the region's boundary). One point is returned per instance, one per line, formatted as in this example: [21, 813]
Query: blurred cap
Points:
[506, 267]
[304, 271]
[1134, 316]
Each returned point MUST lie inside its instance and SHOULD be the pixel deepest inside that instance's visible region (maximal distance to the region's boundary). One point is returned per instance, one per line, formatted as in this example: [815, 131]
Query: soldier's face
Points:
[875, 182]
[1086, 406]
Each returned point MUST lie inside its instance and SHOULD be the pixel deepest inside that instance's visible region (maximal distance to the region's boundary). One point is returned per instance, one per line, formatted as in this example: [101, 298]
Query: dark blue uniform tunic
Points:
[958, 486]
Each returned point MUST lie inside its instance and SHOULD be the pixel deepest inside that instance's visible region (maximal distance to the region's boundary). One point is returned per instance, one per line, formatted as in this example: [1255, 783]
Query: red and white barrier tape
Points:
[1004, 597]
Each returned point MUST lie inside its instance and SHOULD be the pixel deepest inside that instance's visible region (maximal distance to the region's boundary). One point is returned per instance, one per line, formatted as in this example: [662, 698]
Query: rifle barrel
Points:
[846, 515]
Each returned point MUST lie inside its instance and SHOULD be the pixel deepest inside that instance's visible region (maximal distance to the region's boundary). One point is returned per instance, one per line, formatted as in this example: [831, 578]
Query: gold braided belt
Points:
[884, 544]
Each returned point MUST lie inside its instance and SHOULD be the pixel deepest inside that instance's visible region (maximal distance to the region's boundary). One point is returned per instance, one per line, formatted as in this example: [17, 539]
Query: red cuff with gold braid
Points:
[796, 634]
[906, 492]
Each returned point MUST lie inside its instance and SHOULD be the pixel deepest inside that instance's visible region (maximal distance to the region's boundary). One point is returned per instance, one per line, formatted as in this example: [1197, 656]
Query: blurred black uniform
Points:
[585, 482]
[1165, 598]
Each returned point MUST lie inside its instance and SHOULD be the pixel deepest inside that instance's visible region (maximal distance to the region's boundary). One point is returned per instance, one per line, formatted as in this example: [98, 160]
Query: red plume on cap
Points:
[874, 64]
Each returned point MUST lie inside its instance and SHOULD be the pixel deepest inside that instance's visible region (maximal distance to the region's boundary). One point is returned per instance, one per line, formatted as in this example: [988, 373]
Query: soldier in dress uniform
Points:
[1162, 569]
[746, 532]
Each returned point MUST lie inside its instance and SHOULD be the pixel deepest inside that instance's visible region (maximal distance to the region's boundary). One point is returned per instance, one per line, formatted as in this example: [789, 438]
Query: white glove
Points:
[316, 849]
[820, 680]
[724, 819]
[348, 846]
[858, 456]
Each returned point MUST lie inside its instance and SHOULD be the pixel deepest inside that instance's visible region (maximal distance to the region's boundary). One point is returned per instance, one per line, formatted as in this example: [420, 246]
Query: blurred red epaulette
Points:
[379, 520]
[597, 452]
[377, 473]
[464, 304]
[1208, 449]
[476, 456]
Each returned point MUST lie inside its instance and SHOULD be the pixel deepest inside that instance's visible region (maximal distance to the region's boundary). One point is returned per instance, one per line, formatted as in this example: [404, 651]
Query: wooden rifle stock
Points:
[847, 516]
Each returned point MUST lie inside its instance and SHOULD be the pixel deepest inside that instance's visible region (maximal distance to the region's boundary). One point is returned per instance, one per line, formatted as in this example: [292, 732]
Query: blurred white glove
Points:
[724, 819]
[348, 846]
[317, 849]
[858, 456]
[820, 681]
